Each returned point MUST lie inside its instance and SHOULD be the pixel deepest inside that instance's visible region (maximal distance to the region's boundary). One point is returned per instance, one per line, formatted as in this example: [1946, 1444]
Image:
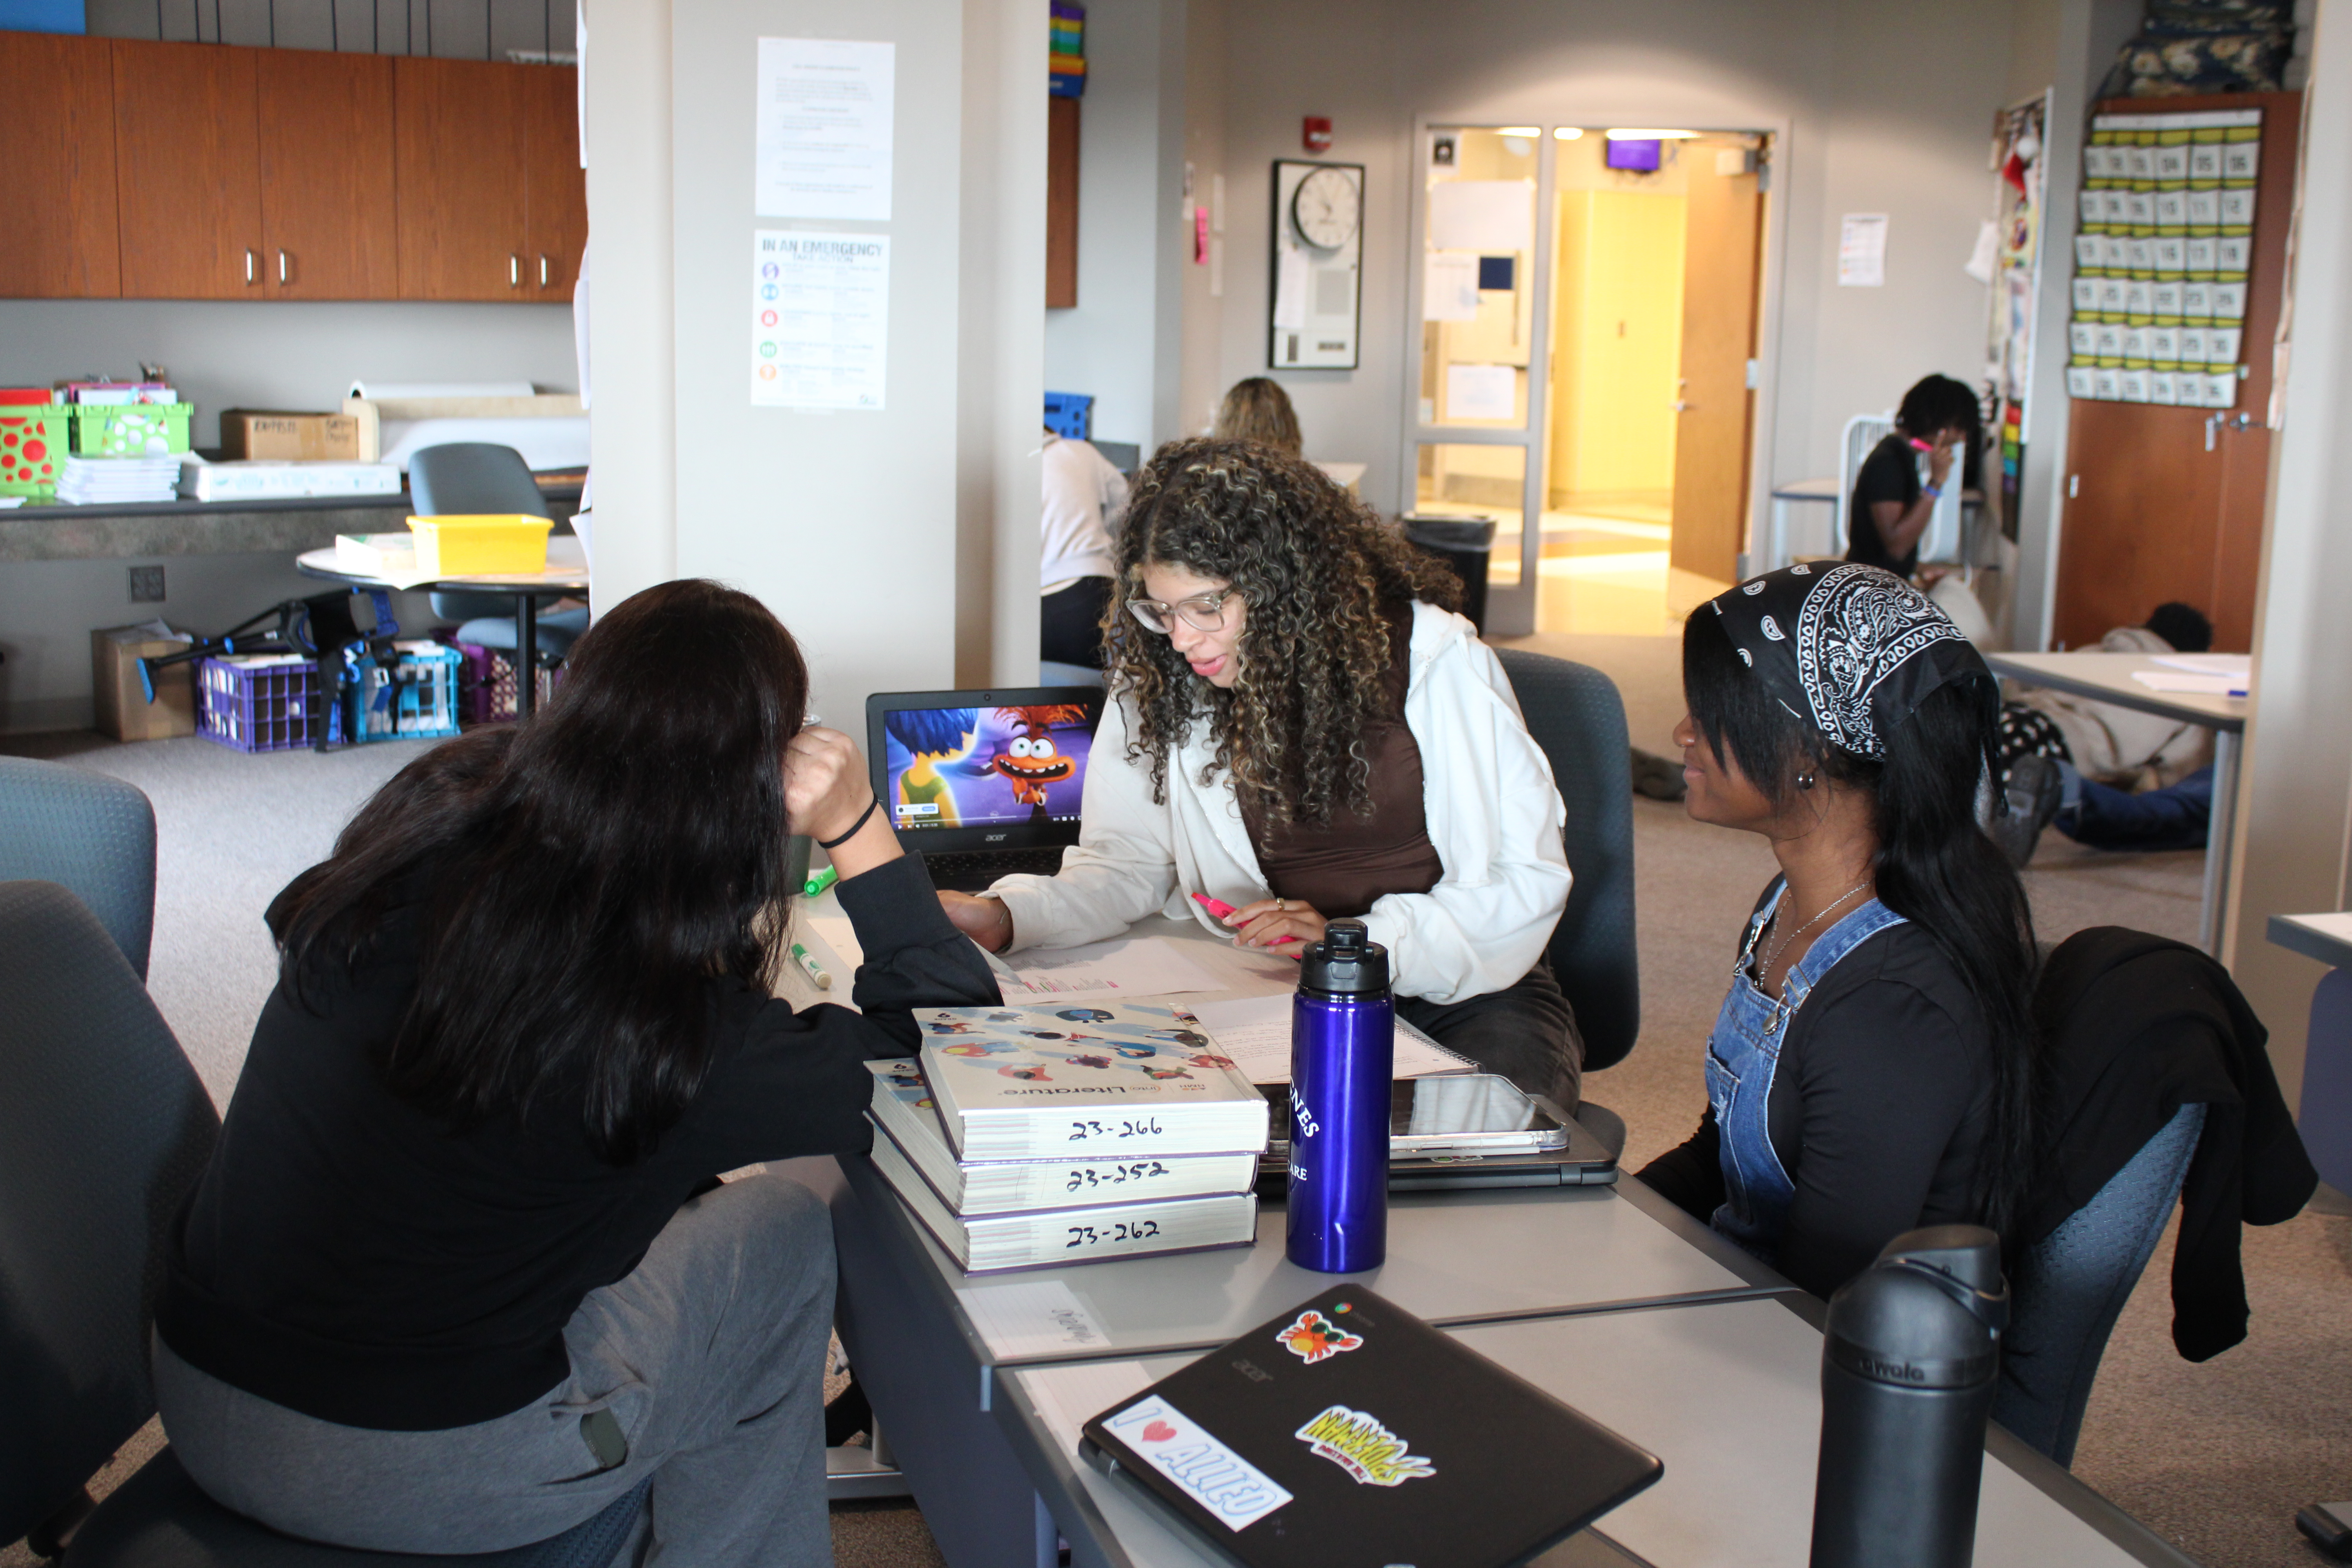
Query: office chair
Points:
[104, 1128]
[1578, 720]
[482, 477]
[91, 832]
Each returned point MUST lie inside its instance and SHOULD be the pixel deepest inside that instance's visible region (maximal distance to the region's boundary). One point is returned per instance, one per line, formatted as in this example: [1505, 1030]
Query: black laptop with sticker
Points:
[983, 784]
[1347, 1432]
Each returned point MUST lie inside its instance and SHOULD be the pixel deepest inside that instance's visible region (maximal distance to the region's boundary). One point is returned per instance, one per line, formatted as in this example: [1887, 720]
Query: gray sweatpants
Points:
[711, 1354]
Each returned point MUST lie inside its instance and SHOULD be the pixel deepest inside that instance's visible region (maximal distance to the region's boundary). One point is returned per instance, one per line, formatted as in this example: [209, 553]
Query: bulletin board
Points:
[1314, 272]
[2162, 257]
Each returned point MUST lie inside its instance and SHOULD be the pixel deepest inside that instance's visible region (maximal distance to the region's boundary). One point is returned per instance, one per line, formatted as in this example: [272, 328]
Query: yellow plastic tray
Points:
[470, 546]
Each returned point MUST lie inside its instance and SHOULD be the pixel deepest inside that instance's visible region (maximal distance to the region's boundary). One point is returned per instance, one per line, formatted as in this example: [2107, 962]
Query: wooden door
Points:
[187, 171]
[58, 240]
[2167, 503]
[555, 187]
[1724, 233]
[458, 174]
[327, 215]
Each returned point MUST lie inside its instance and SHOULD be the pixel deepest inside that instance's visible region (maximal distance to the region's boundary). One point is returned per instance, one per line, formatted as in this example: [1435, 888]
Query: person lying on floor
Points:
[1871, 1069]
[1303, 728]
[446, 1285]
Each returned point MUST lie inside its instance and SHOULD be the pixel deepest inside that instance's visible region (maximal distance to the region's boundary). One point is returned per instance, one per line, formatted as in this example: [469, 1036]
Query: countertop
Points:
[52, 530]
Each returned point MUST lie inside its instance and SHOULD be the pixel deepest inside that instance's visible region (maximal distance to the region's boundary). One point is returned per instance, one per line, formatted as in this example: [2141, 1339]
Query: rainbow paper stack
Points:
[1068, 63]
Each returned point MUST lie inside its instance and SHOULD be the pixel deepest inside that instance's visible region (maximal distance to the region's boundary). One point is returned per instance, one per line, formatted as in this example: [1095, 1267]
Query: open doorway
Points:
[1589, 307]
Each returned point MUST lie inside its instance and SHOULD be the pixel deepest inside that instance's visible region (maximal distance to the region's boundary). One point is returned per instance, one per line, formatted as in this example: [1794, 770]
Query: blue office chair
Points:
[90, 831]
[104, 1128]
[482, 477]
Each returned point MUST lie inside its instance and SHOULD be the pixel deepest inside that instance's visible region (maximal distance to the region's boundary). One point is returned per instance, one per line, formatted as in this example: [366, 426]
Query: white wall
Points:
[237, 353]
[1200, 383]
[875, 536]
[1120, 341]
[1885, 108]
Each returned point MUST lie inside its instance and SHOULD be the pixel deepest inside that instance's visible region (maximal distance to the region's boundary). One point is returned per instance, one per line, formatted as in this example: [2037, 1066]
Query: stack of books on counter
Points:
[1058, 1133]
[91, 479]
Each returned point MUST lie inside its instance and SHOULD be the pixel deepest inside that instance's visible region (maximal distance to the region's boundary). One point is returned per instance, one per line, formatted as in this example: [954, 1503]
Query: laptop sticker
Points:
[1312, 1337]
[1236, 1492]
[1361, 1446]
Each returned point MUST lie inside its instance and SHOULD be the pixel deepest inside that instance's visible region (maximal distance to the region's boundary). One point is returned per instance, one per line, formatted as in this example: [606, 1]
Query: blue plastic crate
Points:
[413, 697]
[1071, 415]
[259, 702]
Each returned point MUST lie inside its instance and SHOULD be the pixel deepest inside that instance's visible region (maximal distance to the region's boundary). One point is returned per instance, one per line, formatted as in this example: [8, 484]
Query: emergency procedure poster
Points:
[819, 319]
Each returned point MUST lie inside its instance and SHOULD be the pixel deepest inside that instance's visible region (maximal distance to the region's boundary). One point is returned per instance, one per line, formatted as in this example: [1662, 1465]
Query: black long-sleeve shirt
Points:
[1879, 1111]
[351, 1257]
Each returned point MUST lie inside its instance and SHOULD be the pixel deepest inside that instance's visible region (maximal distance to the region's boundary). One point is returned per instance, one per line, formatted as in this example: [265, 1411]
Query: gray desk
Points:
[1727, 1393]
[1777, 550]
[2108, 677]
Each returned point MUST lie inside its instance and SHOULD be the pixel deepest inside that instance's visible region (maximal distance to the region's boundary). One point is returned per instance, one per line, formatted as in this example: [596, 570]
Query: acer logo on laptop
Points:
[996, 837]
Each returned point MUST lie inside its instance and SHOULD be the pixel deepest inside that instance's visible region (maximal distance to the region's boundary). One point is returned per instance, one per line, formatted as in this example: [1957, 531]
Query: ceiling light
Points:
[1566, 133]
[1520, 130]
[1621, 134]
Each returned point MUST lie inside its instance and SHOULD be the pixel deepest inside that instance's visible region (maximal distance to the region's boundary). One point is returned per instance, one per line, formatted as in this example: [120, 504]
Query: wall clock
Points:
[1315, 266]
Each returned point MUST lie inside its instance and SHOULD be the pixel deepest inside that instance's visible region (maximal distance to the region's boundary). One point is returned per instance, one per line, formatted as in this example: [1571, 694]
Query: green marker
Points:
[820, 882]
[816, 971]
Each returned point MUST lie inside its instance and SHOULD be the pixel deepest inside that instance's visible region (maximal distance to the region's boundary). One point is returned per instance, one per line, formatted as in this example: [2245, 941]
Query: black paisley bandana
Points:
[1849, 649]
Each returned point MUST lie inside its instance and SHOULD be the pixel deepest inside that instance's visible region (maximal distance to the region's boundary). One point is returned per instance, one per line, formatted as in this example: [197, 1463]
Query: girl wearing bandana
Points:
[1872, 1067]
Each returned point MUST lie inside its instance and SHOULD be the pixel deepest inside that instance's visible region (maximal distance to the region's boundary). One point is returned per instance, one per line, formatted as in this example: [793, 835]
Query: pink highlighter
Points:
[1219, 908]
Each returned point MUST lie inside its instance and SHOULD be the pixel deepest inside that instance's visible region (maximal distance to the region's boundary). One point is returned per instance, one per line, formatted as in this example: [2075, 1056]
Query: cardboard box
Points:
[249, 434]
[123, 710]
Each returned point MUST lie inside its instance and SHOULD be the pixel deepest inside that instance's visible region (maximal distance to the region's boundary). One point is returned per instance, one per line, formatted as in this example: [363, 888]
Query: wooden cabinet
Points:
[1061, 202]
[328, 217]
[57, 242]
[555, 188]
[187, 171]
[458, 164]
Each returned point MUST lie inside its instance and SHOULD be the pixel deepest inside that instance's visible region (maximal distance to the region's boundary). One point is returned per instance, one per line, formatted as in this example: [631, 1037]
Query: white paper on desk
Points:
[1068, 1398]
[2239, 664]
[1482, 392]
[835, 932]
[1255, 1031]
[1291, 291]
[1135, 966]
[1034, 1318]
[2183, 683]
[823, 129]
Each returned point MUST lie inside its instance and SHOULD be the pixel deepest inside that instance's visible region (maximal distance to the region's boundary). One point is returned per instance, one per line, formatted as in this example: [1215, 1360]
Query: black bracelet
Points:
[870, 810]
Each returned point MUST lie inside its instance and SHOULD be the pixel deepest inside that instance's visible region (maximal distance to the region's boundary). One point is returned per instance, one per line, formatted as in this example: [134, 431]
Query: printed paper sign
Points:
[1236, 1492]
[1364, 1448]
[819, 319]
[824, 127]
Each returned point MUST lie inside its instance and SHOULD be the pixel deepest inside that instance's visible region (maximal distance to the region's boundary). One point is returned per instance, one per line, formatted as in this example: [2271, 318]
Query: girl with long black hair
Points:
[1874, 1068]
[448, 1285]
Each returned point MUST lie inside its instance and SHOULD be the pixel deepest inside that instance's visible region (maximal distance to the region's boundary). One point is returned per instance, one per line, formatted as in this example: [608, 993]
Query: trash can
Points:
[1464, 544]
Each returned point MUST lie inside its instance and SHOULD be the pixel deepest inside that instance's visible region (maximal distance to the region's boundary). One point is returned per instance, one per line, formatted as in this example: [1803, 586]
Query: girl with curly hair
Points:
[1302, 727]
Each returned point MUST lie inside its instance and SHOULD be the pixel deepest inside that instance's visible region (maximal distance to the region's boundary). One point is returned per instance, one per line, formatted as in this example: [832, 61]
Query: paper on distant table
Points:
[1291, 291]
[1449, 288]
[2208, 663]
[1037, 1317]
[1070, 1397]
[1482, 392]
[1255, 1031]
[823, 129]
[1862, 251]
[2183, 683]
[1132, 967]
[1496, 216]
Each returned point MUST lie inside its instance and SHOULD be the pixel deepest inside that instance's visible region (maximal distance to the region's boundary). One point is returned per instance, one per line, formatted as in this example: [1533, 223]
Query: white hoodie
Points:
[1493, 812]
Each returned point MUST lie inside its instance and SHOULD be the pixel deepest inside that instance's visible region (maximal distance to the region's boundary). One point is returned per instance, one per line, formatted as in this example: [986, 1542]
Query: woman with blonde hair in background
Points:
[1259, 410]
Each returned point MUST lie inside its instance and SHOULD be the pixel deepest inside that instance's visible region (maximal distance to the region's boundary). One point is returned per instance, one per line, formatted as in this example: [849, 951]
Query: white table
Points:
[1727, 1394]
[1776, 550]
[2108, 677]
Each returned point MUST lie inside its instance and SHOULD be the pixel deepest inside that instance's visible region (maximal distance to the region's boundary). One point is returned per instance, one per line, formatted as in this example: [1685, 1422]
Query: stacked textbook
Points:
[1064, 1133]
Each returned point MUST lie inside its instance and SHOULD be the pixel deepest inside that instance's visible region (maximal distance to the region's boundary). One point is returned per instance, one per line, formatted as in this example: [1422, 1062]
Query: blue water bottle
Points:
[1342, 1056]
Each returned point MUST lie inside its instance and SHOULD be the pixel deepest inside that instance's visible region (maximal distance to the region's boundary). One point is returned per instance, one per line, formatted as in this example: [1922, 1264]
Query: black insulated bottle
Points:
[1908, 1368]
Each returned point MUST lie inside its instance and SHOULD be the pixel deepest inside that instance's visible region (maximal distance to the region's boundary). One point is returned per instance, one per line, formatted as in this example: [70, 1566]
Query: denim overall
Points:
[1742, 1054]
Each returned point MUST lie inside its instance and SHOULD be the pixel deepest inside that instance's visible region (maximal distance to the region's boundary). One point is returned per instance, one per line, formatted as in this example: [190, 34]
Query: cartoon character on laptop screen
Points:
[953, 767]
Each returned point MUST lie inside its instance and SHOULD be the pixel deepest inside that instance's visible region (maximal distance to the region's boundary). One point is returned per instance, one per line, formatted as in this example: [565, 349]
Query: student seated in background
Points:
[1872, 1066]
[1890, 508]
[1258, 410]
[446, 1286]
[1303, 729]
[1085, 497]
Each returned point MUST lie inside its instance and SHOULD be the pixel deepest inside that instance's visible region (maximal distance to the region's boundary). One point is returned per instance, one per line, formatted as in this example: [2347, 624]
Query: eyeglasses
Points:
[1204, 611]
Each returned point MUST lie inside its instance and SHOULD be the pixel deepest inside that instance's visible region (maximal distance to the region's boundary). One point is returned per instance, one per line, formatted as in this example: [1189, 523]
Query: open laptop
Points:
[983, 784]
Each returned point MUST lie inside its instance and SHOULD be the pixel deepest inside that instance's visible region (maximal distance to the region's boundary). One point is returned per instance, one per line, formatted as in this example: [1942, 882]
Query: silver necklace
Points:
[1782, 945]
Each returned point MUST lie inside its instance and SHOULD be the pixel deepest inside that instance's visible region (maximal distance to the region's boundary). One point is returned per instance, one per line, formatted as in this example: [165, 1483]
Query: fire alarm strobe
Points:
[1316, 133]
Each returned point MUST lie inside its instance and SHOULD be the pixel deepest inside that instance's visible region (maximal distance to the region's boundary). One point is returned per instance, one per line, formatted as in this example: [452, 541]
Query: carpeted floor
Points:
[2217, 1456]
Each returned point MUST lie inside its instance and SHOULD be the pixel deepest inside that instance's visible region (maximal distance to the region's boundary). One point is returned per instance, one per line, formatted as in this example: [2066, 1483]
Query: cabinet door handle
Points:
[514, 271]
[543, 271]
[248, 268]
[281, 266]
